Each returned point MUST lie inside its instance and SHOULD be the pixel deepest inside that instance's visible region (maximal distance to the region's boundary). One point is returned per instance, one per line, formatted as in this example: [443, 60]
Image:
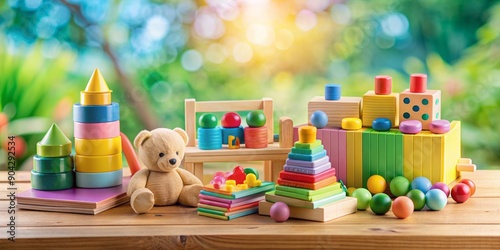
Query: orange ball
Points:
[376, 184]
[402, 207]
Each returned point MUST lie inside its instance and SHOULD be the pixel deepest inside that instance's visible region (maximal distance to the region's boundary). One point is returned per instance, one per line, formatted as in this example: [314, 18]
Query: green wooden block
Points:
[309, 192]
[399, 153]
[312, 198]
[308, 151]
[382, 149]
[300, 145]
[366, 156]
[373, 153]
[390, 155]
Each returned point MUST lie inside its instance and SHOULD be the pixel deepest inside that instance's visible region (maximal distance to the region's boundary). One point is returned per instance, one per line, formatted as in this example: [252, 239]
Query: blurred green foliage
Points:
[231, 50]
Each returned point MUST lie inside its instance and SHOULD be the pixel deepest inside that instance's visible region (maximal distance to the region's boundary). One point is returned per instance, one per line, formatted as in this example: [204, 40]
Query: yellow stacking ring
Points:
[307, 134]
[98, 164]
[98, 147]
[95, 98]
[351, 123]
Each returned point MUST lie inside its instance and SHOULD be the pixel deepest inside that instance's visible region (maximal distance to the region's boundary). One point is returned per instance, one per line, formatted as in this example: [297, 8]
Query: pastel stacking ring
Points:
[50, 165]
[98, 147]
[99, 180]
[101, 130]
[95, 114]
[95, 98]
[56, 181]
[96, 164]
[439, 126]
[410, 127]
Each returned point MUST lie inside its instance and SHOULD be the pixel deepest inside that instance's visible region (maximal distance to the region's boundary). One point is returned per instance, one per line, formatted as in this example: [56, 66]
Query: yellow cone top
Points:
[97, 91]
[97, 83]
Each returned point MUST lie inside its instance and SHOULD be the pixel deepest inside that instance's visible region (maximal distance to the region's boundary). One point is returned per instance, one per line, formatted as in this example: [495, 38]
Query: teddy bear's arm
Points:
[138, 180]
[187, 177]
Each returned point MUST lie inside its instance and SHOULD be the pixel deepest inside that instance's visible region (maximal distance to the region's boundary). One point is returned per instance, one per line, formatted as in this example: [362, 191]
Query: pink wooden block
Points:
[334, 147]
[103, 130]
[342, 145]
[296, 133]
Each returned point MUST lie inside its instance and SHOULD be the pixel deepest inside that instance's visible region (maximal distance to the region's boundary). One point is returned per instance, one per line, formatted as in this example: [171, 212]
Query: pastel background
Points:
[154, 54]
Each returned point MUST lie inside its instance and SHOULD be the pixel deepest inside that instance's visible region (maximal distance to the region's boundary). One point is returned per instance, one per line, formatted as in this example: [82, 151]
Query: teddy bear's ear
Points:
[183, 134]
[141, 137]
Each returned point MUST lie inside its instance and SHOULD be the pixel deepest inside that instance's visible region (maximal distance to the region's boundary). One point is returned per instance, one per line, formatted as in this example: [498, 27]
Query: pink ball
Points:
[443, 187]
[279, 212]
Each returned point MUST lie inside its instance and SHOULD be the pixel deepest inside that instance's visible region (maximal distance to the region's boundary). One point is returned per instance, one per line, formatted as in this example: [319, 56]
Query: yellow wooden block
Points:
[417, 155]
[427, 155]
[380, 106]
[307, 134]
[351, 123]
[437, 159]
[346, 107]
[452, 152]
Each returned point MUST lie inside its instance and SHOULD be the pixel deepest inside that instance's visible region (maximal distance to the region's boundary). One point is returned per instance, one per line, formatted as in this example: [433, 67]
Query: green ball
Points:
[400, 186]
[207, 121]
[256, 119]
[418, 198]
[364, 196]
[380, 204]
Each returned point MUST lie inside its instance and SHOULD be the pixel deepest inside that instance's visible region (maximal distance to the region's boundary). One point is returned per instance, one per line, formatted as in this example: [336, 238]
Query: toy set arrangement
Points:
[211, 136]
[307, 187]
[232, 195]
[98, 146]
[380, 144]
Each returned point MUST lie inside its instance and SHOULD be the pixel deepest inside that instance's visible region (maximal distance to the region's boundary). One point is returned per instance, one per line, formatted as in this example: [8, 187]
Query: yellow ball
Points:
[376, 184]
[350, 191]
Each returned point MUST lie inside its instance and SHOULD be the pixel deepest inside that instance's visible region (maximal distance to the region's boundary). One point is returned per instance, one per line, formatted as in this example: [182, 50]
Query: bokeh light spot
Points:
[216, 53]
[395, 24]
[191, 60]
[306, 20]
[260, 34]
[208, 25]
[242, 52]
[341, 14]
[157, 27]
[284, 39]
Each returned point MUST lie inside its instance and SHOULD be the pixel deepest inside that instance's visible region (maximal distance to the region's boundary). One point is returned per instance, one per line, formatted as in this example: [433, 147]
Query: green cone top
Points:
[54, 144]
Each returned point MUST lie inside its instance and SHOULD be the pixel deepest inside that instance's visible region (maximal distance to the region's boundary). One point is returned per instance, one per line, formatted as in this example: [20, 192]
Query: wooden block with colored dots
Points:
[419, 103]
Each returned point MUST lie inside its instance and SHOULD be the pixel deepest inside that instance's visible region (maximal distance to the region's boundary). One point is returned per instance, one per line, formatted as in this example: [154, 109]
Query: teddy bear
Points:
[162, 182]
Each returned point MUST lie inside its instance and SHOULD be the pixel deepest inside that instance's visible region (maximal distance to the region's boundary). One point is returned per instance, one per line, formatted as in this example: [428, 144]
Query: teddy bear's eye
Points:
[177, 153]
[161, 154]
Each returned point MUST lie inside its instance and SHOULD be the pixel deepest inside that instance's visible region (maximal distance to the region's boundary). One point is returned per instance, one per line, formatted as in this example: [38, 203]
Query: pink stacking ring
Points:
[102, 130]
[439, 126]
[410, 127]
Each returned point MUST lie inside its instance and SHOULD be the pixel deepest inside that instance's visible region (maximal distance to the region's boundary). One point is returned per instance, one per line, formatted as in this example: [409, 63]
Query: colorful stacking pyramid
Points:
[53, 163]
[98, 146]
[308, 184]
[236, 198]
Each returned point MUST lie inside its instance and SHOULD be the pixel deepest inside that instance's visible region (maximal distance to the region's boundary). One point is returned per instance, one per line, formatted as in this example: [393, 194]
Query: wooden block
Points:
[424, 107]
[346, 107]
[373, 153]
[350, 157]
[333, 138]
[452, 152]
[437, 158]
[327, 212]
[286, 132]
[417, 155]
[382, 157]
[272, 197]
[98, 147]
[408, 156]
[466, 167]
[390, 154]
[399, 153]
[380, 106]
[366, 157]
[190, 123]
[342, 147]
[427, 153]
[358, 157]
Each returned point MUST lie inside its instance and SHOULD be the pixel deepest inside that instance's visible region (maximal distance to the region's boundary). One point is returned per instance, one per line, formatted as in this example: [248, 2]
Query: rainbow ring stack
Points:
[98, 146]
[308, 184]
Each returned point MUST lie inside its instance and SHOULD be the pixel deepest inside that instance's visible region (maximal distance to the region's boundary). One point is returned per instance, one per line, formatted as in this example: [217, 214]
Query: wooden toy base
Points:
[328, 212]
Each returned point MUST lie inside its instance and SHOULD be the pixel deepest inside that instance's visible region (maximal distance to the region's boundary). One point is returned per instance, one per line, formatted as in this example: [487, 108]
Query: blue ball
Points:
[421, 183]
[381, 124]
[319, 119]
[436, 199]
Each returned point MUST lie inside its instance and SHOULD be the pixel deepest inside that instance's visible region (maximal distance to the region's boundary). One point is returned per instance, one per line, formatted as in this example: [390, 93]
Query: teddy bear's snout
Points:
[172, 161]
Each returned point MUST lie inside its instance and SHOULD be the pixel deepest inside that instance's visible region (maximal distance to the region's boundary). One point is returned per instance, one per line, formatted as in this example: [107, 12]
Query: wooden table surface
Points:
[472, 225]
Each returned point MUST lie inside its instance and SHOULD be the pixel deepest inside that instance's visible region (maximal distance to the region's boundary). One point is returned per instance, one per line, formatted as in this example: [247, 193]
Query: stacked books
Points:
[308, 184]
[236, 198]
[226, 205]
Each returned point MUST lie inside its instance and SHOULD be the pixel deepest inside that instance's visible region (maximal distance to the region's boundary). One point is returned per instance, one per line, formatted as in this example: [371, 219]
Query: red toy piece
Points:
[460, 192]
[383, 85]
[471, 185]
[418, 83]
[231, 120]
[238, 175]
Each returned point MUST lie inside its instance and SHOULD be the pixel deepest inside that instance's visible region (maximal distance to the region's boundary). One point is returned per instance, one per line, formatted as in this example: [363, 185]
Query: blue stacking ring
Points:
[209, 138]
[332, 92]
[95, 114]
[55, 181]
[381, 124]
[50, 165]
[99, 180]
[236, 132]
